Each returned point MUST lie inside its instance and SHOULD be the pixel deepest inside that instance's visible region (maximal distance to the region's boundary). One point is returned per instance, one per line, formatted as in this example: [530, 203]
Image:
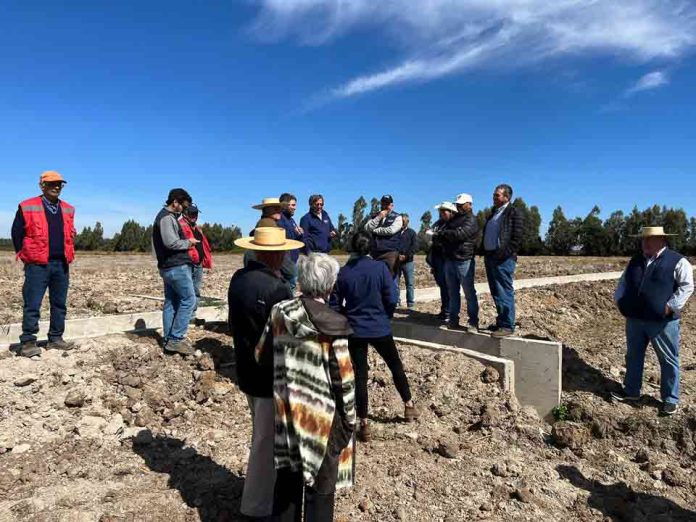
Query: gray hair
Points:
[317, 274]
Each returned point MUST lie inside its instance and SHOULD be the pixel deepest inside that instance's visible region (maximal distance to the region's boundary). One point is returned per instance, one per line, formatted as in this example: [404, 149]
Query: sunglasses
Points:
[54, 184]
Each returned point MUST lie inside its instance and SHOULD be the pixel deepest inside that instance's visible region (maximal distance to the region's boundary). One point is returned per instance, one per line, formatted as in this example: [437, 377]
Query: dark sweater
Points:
[365, 293]
[56, 235]
[252, 293]
[409, 244]
[510, 235]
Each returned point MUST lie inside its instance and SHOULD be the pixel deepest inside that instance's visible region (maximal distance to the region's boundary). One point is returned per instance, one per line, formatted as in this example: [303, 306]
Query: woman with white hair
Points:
[306, 342]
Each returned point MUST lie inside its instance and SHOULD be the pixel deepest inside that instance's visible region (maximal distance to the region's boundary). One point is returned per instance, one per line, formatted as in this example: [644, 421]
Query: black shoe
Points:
[622, 397]
[455, 326]
[669, 408]
[60, 344]
[490, 328]
[443, 316]
[29, 349]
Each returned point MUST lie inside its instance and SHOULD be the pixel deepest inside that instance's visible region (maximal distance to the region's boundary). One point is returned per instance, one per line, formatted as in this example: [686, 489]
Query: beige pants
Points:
[257, 497]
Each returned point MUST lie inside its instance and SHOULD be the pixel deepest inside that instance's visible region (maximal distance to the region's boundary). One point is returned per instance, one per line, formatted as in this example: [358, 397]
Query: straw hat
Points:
[268, 238]
[652, 232]
[446, 205]
[270, 202]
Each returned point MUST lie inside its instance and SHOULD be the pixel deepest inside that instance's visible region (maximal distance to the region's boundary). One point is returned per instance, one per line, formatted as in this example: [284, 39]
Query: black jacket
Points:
[253, 292]
[510, 236]
[459, 237]
[409, 244]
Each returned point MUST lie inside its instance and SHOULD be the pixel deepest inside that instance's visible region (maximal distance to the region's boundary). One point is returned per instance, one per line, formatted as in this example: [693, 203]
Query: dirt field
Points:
[108, 284]
[119, 432]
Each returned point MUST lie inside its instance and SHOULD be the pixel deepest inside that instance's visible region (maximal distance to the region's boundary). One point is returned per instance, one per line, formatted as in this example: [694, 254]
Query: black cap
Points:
[178, 194]
[192, 210]
[387, 199]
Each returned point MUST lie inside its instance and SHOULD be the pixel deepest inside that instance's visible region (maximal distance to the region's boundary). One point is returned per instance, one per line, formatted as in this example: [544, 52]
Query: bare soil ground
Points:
[117, 431]
[108, 284]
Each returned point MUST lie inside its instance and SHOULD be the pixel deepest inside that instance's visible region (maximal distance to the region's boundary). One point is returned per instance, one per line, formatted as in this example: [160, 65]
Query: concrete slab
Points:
[108, 324]
[537, 364]
[505, 367]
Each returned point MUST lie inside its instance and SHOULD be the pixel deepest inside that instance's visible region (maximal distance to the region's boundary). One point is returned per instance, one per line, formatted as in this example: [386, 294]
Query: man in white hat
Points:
[436, 256]
[253, 291]
[651, 295]
[459, 237]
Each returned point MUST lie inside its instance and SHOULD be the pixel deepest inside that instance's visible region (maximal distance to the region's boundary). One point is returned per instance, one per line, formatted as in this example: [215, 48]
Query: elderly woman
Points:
[366, 295]
[313, 388]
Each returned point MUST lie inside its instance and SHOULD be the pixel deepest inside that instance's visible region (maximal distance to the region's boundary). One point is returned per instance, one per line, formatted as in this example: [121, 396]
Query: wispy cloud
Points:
[442, 37]
[648, 82]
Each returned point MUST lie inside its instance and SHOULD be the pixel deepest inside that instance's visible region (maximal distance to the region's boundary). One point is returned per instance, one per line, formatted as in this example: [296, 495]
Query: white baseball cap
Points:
[446, 205]
[464, 198]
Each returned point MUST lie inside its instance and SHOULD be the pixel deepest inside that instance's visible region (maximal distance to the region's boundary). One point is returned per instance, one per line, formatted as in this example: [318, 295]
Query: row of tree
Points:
[588, 235]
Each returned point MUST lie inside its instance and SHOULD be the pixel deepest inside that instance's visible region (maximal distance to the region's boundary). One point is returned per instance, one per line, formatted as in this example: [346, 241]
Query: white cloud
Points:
[648, 82]
[441, 37]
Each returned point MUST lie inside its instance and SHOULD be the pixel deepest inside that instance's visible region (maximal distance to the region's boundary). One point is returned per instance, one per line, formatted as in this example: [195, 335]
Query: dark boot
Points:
[60, 344]
[29, 349]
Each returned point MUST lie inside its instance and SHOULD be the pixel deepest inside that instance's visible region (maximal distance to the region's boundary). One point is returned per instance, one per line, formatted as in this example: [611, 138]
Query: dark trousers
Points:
[386, 348]
[288, 501]
[55, 276]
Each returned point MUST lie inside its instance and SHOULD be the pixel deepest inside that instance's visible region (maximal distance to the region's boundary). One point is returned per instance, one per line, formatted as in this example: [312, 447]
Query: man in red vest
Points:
[43, 234]
[200, 252]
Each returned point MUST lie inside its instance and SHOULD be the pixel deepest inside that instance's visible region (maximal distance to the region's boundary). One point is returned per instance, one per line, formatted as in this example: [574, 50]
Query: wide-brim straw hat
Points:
[270, 239]
[270, 202]
[446, 205]
[652, 232]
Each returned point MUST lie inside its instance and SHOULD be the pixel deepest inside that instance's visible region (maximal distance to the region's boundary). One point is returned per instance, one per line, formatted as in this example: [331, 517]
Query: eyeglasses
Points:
[54, 184]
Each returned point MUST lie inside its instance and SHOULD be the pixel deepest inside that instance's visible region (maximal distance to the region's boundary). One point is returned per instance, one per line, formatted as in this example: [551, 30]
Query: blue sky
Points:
[571, 102]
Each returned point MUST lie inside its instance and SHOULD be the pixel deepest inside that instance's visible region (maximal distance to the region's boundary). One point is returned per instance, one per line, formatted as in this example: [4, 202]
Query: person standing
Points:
[171, 248]
[365, 293]
[292, 231]
[385, 228]
[317, 228]
[306, 343]
[651, 295]
[436, 256]
[407, 251]
[253, 292]
[43, 234]
[502, 238]
[459, 237]
[199, 253]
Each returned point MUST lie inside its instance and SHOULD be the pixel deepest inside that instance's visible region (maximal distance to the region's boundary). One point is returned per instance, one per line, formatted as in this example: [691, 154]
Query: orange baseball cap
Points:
[51, 175]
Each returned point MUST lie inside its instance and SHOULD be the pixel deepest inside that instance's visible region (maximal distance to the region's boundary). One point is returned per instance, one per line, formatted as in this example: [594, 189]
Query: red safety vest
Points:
[193, 252]
[35, 245]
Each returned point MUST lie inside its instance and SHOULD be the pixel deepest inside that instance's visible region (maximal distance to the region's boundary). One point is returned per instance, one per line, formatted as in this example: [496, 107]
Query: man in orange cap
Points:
[43, 234]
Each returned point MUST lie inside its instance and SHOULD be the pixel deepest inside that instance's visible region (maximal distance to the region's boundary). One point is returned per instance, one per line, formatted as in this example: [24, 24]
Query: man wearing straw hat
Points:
[253, 291]
[651, 295]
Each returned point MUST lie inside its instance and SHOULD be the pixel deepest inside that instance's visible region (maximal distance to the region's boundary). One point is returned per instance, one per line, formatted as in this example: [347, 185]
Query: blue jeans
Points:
[500, 276]
[664, 337]
[179, 302]
[460, 274]
[438, 266]
[55, 276]
[408, 271]
[197, 276]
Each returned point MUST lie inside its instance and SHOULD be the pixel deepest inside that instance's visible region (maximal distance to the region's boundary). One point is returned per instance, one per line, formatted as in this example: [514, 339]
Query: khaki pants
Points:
[257, 497]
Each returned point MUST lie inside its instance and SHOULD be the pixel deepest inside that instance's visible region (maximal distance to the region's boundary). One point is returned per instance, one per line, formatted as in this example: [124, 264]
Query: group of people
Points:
[302, 356]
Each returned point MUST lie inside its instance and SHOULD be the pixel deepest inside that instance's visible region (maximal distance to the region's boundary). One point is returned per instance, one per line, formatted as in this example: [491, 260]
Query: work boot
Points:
[411, 413]
[364, 432]
[60, 344]
[182, 347]
[29, 349]
[502, 332]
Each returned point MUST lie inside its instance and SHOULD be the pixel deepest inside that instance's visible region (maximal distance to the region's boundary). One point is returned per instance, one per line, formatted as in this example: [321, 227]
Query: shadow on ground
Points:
[619, 502]
[203, 484]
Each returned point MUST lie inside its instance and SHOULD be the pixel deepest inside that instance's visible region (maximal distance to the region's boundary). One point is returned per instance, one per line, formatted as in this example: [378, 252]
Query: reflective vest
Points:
[35, 245]
[207, 261]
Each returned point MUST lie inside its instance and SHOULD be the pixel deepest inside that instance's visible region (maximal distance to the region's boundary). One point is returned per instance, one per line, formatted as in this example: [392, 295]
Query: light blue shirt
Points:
[491, 238]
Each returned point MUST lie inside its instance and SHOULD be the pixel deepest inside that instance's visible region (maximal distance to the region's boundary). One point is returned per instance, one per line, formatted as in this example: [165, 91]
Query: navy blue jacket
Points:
[317, 232]
[288, 223]
[365, 293]
[409, 244]
[649, 289]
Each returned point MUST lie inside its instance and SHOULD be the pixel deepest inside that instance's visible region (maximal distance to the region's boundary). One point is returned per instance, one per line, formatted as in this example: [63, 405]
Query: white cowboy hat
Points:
[652, 232]
[446, 205]
[268, 238]
[270, 202]
[463, 198]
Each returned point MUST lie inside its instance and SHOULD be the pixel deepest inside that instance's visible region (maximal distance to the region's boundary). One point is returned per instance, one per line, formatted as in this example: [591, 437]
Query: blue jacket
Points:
[288, 223]
[317, 232]
[365, 293]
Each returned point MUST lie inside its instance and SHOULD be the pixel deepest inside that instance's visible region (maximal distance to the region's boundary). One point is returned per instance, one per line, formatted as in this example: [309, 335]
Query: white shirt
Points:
[683, 276]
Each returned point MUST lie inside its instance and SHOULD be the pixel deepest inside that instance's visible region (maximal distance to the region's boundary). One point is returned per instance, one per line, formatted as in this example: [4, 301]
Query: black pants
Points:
[288, 501]
[386, 348]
